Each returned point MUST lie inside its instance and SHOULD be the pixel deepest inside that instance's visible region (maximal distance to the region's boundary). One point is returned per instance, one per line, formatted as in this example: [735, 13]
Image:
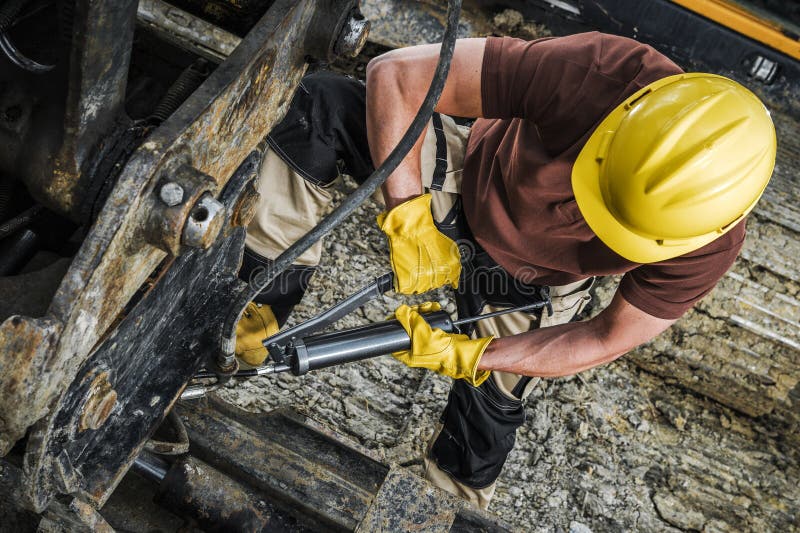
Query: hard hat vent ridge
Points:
[718, 187]
[682, 167]
[675, 128]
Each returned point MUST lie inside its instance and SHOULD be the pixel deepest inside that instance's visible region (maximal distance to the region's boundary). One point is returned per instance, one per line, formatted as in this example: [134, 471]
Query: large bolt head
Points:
[204, 223]
[353, 37]
[171, 193]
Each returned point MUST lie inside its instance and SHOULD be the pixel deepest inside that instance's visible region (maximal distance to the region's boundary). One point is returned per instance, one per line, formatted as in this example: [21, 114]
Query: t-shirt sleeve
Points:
[546, 80]
[669, 288]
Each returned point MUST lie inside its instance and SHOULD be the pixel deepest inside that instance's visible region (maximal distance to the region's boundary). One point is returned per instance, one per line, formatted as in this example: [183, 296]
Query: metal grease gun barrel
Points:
[372, 340]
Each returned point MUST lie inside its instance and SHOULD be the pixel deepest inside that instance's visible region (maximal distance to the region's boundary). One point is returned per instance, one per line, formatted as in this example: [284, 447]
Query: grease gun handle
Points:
[356, 344]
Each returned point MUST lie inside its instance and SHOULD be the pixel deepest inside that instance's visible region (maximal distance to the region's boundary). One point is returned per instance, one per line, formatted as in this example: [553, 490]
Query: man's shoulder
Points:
[668, 288]
[613, 56]
[626, 59]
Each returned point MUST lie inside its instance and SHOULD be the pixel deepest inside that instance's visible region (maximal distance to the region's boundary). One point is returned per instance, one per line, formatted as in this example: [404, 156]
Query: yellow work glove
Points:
[422, 257]
[257, 323]
[450, 354]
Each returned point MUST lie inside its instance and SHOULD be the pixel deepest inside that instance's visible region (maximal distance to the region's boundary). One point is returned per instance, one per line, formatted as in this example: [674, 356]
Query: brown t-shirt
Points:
[541, 101]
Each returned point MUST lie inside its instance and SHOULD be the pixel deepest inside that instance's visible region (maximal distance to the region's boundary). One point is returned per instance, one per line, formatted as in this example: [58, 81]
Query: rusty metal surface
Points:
[69, 516]
[310, 473]
[100, 400]
[165, 222]
[330, 21]
[88, 442]
[186, 30]
[27, 347]
[74, 516]
[235, 121]
[233, 15]
[178, 445]
[212, 132]
[204, 139]
[203, 223]
[80, 134]
[245, 210]
[407, 503]
[330, 485]
[114, 261]
[215, 502]
[353, 36]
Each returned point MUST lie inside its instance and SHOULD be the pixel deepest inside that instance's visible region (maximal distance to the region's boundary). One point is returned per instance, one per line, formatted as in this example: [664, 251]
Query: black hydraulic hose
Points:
[16, 57]
[364, 191]
[6, 188]
[20, 221]
[9, 11]
[22, 248]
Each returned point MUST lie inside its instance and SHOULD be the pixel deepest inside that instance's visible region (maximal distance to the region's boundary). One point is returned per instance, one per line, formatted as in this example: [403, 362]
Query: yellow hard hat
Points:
[675, 166]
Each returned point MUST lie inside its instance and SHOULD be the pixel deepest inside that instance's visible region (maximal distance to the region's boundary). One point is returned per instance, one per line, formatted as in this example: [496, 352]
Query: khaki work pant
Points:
[291, 205]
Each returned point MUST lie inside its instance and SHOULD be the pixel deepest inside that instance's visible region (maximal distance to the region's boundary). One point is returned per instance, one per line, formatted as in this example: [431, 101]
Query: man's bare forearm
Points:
[570, 348]
[556, 351]
[397, 83]
[390, 110]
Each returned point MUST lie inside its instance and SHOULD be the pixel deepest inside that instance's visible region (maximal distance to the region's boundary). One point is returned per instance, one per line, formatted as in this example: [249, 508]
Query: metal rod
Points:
[22, 248]
[521, 309]
[272, 369]
[187, 31]
[193, 392]
[334, 313]
[264, 370]
[150, 467]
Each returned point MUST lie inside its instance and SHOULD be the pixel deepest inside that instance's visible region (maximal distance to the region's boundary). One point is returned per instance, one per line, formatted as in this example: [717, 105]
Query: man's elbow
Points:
[610, 345]
[383, 68]
[621, 327]
[396, 75]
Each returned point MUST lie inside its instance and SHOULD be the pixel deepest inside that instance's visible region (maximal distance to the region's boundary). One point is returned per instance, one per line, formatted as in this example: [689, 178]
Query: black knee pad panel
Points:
[325, 124]
[479, 430]
[284, 292]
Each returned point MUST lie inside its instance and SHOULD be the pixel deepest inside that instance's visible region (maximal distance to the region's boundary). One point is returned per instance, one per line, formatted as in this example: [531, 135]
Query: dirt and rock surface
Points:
[615, 448]
[697, 430]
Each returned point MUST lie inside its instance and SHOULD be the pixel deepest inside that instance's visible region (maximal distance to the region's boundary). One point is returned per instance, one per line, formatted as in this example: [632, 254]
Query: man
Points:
[591, 155]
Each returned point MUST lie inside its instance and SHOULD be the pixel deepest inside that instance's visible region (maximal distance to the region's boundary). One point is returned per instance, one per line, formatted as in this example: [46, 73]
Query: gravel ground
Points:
[615, 448]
